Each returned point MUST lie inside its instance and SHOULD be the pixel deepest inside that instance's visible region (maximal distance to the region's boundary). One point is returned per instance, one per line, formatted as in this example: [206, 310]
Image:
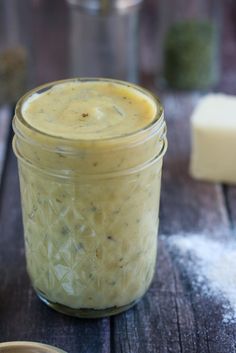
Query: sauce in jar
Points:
[90, 157]
[89, 110]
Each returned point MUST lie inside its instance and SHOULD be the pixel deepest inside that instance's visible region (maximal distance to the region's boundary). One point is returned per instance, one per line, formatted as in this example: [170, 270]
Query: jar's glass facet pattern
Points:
[90, 241]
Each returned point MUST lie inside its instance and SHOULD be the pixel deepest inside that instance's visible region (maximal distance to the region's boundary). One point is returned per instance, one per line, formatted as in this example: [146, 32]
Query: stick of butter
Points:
[213, 125]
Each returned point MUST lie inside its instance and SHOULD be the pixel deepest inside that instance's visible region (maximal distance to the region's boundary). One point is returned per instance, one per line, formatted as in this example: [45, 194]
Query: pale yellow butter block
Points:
[213, 125]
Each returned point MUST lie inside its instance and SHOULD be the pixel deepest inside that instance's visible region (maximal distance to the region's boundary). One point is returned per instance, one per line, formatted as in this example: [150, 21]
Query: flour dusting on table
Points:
[213, 264]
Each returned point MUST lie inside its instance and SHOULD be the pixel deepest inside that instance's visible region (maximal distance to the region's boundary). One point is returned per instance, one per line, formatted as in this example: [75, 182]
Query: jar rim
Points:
[90, 176]
[154, 126]
[99, 6]
[29, 346]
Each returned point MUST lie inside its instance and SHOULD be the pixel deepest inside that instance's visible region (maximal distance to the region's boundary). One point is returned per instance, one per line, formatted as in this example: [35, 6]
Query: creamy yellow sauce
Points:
[90, 209]
[89, 110]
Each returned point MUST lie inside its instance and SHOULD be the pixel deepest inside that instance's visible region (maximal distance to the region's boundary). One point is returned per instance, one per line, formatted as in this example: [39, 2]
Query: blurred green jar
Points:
[188, 38]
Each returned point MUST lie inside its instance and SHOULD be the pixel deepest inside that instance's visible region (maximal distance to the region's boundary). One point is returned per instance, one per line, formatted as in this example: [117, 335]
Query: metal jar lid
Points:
[28, 347]
[105, 6]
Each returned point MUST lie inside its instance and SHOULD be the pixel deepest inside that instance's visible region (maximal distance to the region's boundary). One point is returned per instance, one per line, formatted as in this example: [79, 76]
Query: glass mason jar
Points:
[188, 44]
[90, 213]
[110, 47]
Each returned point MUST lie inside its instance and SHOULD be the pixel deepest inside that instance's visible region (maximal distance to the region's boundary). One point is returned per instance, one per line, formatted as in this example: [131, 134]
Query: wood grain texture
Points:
[175, 316]
[162, 322]
[230, 198]
[5, 120]
[198, 207]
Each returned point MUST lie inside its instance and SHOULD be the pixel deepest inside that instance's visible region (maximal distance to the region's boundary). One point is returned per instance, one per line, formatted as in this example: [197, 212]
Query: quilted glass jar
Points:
[90, 213]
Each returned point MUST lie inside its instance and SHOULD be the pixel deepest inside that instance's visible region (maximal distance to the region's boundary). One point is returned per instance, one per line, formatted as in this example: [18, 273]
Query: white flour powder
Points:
[213, 264]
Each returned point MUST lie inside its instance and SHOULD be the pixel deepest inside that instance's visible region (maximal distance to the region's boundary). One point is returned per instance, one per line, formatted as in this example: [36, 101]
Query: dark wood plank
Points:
[175, 316]
[230, 194]
[5, 120]
[22, 315]
[194, 206]
[172, 317]
[200, 207]
[162, 322]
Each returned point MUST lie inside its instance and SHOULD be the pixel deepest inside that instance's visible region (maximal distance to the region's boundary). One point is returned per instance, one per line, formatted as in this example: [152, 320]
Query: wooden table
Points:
[173, 316]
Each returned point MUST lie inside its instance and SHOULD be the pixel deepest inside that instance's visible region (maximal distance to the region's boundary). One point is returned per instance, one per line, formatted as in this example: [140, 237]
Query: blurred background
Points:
[137, 40]
[165, 45]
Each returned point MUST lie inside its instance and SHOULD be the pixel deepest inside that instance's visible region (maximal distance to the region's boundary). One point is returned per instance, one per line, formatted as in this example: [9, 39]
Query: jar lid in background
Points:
[105, 6]
[28, 347]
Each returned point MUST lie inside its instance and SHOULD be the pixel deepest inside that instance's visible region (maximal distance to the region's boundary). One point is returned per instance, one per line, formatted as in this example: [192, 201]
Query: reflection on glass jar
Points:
[91, 211]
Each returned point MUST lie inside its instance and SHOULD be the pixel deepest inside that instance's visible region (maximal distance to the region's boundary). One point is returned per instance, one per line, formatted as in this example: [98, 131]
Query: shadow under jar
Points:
[91, 205]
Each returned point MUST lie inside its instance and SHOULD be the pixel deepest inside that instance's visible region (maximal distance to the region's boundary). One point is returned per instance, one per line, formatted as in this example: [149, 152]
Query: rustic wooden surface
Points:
[5, 121]
[174, 316]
